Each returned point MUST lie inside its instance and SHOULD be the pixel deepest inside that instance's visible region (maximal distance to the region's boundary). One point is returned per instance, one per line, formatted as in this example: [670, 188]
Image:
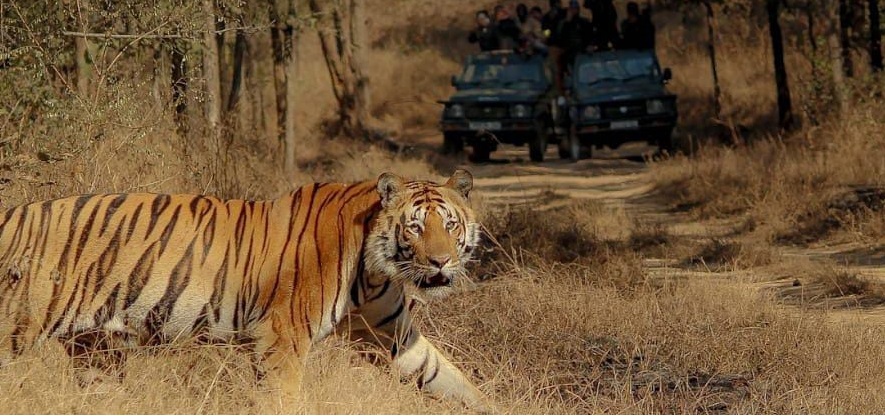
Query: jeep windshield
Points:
[497, 74]
[621, 69]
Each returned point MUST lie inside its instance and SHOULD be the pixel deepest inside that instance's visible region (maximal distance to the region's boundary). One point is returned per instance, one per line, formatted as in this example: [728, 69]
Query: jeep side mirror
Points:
[668, 75]
[454, 80]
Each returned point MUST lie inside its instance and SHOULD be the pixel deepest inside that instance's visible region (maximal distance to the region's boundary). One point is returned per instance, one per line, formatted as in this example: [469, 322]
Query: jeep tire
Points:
[453, 144]
[481, 152]
[570, 147]
[538, 144]
[665, 143]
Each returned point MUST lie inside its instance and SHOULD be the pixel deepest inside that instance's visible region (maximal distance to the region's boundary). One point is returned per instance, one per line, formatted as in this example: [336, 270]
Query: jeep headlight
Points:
[591, 112]
[519, 111]
[656, 106]
[456, 111]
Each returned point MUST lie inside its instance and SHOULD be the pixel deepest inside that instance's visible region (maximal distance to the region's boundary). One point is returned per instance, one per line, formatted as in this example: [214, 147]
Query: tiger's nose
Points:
[439, 261]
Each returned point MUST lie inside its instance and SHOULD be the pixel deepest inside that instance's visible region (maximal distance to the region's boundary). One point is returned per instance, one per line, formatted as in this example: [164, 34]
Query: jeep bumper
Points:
[511, 131]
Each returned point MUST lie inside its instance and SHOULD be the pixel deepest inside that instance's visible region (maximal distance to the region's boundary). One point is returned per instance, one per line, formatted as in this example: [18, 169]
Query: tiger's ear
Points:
[389, 186]
[461, 181]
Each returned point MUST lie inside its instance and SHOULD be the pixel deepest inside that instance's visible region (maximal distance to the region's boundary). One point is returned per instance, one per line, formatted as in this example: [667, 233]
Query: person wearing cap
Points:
[485, 33]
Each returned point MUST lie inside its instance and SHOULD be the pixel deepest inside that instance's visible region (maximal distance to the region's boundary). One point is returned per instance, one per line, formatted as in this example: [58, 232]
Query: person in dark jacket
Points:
[605, 23]
[485, 33]
[575, 34]
[507, 28]
[551, 20]
[637, 30]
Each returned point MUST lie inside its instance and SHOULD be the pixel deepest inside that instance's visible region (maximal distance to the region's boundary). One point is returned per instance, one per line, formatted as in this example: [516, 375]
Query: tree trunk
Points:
[839, 86]
[158, 78]
[179, 86]
[875, 37]
[360, 45]
[284, 44]
[341, 28]
[84, 69]
[223, 67]
[711, 47]
[291, 94]
[237, 77]
[845, 35]
[210, 68]
[256, 86]
[784, 104]
[81, 48]
[277, 40]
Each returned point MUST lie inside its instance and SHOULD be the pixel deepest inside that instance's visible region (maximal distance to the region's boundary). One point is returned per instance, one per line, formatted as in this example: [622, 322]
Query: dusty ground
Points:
[620, 180]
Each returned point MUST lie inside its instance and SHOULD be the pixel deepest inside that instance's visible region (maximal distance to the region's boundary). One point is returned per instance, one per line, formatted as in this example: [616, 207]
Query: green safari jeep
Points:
[501, 97]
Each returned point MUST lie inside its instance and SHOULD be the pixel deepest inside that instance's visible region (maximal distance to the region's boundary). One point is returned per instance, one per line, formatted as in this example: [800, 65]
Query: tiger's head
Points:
[425, 232]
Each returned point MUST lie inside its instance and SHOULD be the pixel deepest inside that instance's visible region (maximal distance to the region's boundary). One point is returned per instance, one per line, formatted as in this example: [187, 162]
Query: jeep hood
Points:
[617, 91]
[495, 95]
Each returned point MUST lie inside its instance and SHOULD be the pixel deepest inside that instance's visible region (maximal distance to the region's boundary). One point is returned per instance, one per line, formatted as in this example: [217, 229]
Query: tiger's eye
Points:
[415, 228]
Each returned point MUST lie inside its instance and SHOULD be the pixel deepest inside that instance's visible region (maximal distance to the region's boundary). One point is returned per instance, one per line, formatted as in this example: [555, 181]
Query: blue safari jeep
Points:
[616, 97]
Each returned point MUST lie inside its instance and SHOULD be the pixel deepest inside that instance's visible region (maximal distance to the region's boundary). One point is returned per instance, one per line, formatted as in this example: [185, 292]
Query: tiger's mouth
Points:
[436, 280]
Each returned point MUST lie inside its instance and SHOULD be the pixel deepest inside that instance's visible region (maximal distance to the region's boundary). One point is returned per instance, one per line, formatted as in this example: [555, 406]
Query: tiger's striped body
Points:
[278, 274]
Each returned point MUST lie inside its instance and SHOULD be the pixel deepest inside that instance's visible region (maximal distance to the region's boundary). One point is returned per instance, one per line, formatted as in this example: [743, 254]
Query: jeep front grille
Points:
[630, 109]
[486, 112]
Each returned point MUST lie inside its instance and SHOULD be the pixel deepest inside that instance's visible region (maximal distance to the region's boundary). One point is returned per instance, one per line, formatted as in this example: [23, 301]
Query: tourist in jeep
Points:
[550, 21]
[575, 34]
[485, 33]
[605, 23]
[637, 30]
[507, 28]
[532, 35]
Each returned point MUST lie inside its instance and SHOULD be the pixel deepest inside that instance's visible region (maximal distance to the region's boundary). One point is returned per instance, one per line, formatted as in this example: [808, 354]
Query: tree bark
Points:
[875, 37]
[293, 34]
[179, 86]
[84, 69]
[81, 48]
[284, 43]
[210, 68]
[255, 85]
[341, 28]
[360, 45]
[784, 103]
[277, 39]
[845, 34]
[711, 48]
[237, 77]
[839, 86]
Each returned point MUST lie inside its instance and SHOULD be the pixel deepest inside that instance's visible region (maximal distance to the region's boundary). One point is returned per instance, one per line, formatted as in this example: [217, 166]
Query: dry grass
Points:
[729, 255]
[786, 185]
[567, 319]
[556, 343]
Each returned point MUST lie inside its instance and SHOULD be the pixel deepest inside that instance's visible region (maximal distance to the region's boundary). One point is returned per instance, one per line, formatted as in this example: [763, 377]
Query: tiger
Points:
[276, 275]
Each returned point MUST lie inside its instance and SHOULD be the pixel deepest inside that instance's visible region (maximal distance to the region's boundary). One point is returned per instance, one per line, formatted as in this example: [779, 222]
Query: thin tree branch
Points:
[149, 35]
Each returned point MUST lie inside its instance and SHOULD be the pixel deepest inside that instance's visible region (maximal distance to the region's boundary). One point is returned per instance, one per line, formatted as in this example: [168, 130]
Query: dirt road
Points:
[612, 176]
[621, 178]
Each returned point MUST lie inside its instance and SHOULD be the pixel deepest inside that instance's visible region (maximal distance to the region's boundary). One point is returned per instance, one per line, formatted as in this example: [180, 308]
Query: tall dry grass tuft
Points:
[798, 183]
[543, 341]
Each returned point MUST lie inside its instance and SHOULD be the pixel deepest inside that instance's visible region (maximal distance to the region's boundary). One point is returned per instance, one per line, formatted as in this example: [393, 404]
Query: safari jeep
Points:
[501, 97]
[617, 97]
